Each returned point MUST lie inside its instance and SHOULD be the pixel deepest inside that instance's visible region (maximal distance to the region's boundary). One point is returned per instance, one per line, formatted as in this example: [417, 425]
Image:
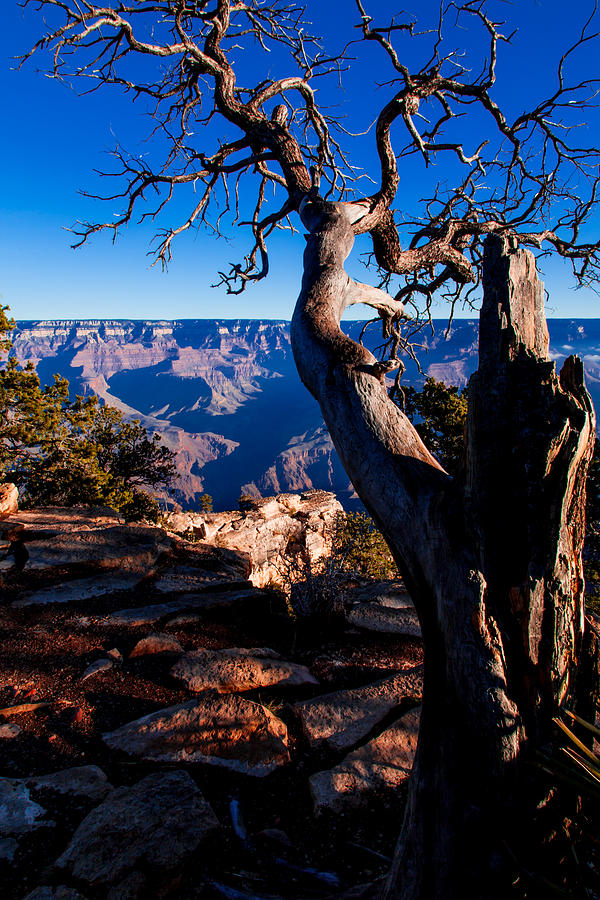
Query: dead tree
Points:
[493, 562]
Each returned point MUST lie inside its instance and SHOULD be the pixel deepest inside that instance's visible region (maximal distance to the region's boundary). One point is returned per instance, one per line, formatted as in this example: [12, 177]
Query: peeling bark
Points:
[494, 566]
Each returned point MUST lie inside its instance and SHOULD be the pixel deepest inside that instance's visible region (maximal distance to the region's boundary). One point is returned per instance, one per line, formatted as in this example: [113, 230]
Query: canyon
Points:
[225, 396]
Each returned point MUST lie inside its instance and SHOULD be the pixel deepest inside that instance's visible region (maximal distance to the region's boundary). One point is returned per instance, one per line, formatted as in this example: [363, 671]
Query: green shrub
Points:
[358, 546]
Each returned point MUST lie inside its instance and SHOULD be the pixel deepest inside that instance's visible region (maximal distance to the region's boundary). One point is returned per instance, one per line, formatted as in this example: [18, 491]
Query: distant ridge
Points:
[224, 393]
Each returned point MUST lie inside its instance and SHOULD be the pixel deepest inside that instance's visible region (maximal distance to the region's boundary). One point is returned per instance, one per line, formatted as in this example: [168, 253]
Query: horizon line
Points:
[279, 321]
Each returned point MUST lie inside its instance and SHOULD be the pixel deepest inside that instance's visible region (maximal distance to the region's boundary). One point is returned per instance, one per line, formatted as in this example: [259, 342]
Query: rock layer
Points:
[124, 547]
[204, 385]
[149, 615]
[80, 589]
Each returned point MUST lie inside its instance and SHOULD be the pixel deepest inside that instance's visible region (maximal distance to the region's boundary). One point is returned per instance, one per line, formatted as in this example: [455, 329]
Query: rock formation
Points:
[268, 530]
[9, 500]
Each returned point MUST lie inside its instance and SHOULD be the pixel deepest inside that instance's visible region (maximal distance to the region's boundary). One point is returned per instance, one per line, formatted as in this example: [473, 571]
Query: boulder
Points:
[9, 730]
[19, 814]
[225, 731]
[9, 500]
[340, 720]
[82, 782]
[51, 521]
[156, 643]
[238, 669]
[382, 764]
[139, 835]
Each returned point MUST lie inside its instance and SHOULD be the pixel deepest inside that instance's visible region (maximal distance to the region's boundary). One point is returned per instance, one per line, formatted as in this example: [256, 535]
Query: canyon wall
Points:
[225, 395]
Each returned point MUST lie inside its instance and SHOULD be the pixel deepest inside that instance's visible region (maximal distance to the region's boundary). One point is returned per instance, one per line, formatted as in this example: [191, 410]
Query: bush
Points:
[358, 546]
[318, 589]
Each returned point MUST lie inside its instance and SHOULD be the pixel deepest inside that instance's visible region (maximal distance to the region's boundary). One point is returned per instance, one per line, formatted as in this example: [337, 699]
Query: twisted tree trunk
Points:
[493, 566]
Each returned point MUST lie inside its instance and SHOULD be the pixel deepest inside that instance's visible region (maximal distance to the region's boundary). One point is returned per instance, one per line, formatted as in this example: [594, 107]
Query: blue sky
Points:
[54, 139]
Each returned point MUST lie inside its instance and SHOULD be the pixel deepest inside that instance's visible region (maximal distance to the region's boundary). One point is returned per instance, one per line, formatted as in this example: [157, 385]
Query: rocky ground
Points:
[168, 729]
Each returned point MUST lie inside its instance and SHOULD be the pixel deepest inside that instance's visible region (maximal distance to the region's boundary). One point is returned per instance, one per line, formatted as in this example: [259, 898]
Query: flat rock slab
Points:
[156, 825]
[222, 730]
[188, 579]
[238, 669]
[148, 615]
[214, 559]
[156, 643]
[55, 520]
[385, 593]
[394, 599]
[382, 764]
[61, 892]
[87, 782]
[341, 719]
[80, 589]
[143, 615]
[376, 617]
[184, 620]
[125, 547]
[100, 665]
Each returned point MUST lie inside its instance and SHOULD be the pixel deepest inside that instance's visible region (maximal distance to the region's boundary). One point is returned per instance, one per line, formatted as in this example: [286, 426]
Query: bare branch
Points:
[531, 176]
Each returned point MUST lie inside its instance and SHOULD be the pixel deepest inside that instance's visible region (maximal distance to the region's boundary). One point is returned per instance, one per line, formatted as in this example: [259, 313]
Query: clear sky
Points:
[54, 139]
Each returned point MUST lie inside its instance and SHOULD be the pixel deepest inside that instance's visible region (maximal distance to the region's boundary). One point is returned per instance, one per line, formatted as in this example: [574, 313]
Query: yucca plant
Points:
[585, 771]
[573, 764]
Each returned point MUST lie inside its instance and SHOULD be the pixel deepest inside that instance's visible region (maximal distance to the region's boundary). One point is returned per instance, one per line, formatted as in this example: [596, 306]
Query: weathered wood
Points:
[494, 569]
[530, 440]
